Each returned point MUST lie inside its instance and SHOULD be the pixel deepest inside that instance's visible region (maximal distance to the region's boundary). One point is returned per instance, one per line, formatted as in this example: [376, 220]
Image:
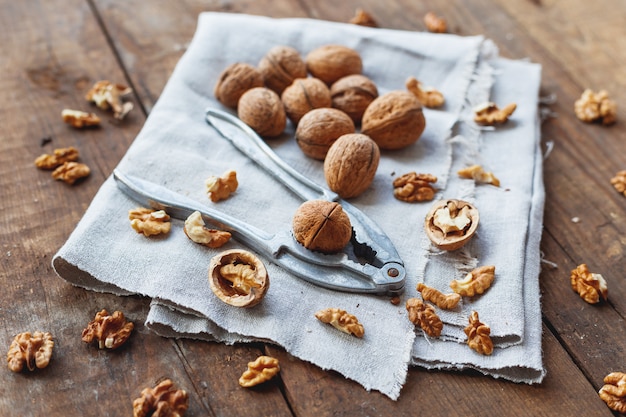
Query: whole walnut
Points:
[394, 120]
[319, 128]
[304, 95]
[352, 94]
[235, 80]
[351, 164]
[332, 62]
[261, 109]
[280, 66]
[322, 226]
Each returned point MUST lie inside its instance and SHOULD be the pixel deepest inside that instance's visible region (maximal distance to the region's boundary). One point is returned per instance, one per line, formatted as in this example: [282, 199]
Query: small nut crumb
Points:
[591, 287]
[107, 95]
[441, 300]
[70, 172]
[479, 175]
[196, 230]
[435, 23]
[363, 18]
[59, 157]
[238, 278]
[428, 96]
[478, 335]
[619, 182]
[395, 300]
[424, 315]
[162, 400]
[475, 282]
[220, 188]
[79, 119]
[613, 392]
[341, 320]
[33, 350]
[414, 187]
[592, 107]
[489, 114]
[261, 370]
[110, 331]
[149, 222]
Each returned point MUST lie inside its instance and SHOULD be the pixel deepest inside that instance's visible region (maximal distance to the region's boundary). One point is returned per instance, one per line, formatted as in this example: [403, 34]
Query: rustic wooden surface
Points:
[52, 51]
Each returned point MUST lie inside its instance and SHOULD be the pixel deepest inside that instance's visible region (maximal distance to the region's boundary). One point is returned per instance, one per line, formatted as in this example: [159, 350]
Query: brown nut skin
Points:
[224, 289]
[235, 80]
[261, 109]
[332, 62]
[320, 128]
[452, 241]
[352, 94]
[322, 226]
[394, 120]
[350, 164]
[280, 66]
[304, 95]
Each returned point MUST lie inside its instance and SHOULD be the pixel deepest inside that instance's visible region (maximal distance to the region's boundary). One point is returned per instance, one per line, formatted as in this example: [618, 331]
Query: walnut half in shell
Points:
[450, 224]
[238, 278]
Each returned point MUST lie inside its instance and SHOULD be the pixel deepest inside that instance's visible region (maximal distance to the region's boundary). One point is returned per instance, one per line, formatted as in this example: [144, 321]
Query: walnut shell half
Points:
[322, 226]
[238, 278]
[450, 224]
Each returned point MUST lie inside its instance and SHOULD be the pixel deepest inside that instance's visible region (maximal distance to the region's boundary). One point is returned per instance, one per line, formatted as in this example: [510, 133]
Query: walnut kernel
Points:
[162, 400]
[591, 287]
[413, 187]
[450, 224]
[79, 119]
[33, 350]
[238, 278]
[280, 66]
[592, 107]
[441, 300]
[321, 225]
[320, 128]
[59, 157]
[619, 182]
[304, 95]
[479, 175]
[613, 392]
[261, 370]
[341, 320]
[235, 80]
[70, 172]
[332, 62]
[363, 18]
[196, 230]
[478, 335]
[220, 188]
[149, 222]
[107, 95]
[350, 164]
[394, 120]
[435, 23]
[261, 109]
[428, 96]
[475, 282]
[110, 331]
[352, 94]
[489, 114]
[424, 315]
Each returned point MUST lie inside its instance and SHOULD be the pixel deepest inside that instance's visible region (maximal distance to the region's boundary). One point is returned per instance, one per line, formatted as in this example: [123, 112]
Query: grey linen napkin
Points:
[178, 149]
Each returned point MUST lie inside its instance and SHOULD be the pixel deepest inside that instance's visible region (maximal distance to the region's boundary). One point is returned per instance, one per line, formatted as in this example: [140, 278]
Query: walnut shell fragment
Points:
[450, 224]
[352, 94]
[321, 225]
[394, 120]
[351, 164]
[423, 314]
[261, 109]
[441, 300]
[613, 392]
[363, 18]
[196, 230]
[478, 335]
[414, 187]
[591, 287]
[341, 320]
[238, 278]
[33, 350]
[162, 400]
[261, 370]
[280, 66]
[110, 331]
[319, 129]
[235, 80]
[475, 282]
[332, 62]
[304, 95]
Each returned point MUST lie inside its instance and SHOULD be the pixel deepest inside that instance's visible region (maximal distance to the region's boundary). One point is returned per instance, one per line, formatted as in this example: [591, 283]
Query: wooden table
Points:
[52, 51]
